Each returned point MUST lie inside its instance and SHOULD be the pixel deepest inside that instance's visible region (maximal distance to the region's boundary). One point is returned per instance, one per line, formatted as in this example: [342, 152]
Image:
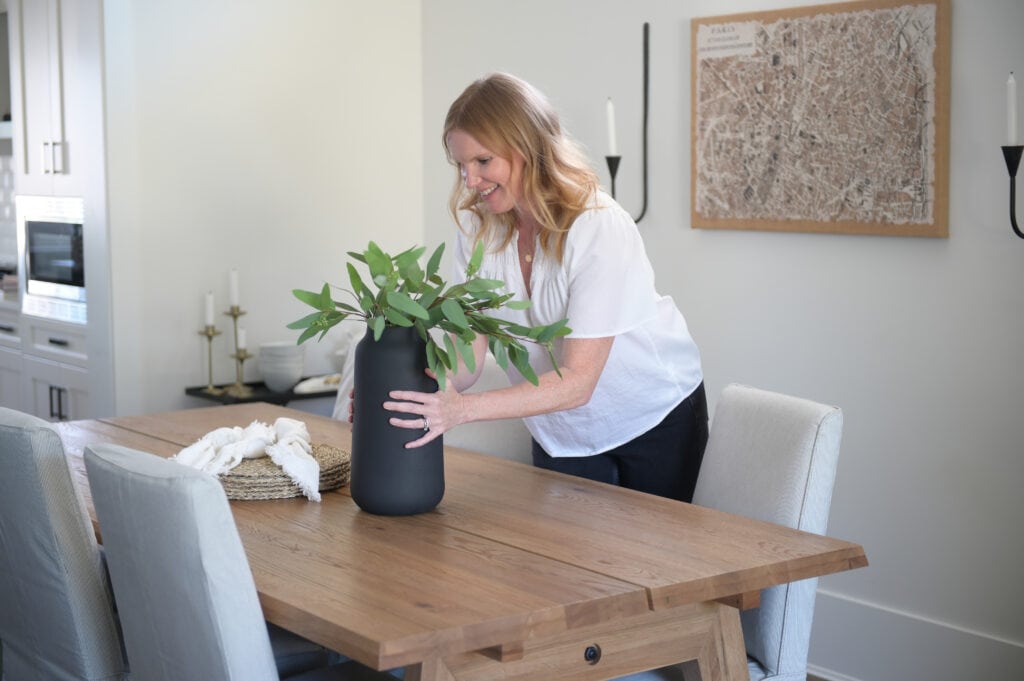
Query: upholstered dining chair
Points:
[771, 457]
[184, 590]
[57, 618]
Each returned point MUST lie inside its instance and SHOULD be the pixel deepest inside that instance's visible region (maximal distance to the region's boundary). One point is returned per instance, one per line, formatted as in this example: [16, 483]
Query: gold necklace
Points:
[528, 257]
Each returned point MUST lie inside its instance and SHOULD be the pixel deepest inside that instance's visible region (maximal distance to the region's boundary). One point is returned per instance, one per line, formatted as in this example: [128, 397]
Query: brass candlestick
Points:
[210, 331]
[239, 389]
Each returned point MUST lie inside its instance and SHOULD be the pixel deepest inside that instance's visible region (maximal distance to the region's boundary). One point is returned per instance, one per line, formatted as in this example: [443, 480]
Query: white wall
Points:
[264, 135]
[918, 340]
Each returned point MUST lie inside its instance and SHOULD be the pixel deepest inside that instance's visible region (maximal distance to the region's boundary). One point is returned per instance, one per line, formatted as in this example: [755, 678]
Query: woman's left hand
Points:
[438, 412]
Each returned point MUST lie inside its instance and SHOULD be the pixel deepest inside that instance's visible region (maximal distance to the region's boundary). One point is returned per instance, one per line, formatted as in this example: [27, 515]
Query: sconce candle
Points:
[233, 288]
[1011, 111]
[209, 308]
[613, 147]
[241, 339]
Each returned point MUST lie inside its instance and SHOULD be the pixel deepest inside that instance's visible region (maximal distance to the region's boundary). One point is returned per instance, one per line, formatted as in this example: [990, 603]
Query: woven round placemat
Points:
[263, 479]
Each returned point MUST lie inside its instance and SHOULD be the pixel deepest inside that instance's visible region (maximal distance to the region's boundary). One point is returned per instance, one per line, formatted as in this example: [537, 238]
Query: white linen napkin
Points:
[251, 444]
[286, 442]
[293, 453]
[202, 451]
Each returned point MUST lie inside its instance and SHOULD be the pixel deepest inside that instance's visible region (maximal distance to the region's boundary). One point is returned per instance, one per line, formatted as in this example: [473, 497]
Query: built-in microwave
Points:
[50, 249]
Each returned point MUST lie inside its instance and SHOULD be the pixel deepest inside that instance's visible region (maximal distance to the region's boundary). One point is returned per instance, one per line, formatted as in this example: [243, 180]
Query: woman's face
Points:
[496, 180]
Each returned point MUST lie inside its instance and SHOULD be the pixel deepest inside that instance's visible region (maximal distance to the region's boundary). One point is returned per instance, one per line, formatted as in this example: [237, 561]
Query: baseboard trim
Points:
[854, 640]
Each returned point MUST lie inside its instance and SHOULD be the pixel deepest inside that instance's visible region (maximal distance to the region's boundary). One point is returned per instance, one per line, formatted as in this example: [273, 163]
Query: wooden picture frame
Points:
[827, 118]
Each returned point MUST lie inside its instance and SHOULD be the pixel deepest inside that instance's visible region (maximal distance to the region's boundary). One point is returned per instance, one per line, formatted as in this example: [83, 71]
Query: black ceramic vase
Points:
[387, 478]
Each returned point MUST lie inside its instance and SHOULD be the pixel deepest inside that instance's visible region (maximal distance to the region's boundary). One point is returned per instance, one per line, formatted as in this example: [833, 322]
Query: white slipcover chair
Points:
[185, 593]
[57, 620]
[771, 457]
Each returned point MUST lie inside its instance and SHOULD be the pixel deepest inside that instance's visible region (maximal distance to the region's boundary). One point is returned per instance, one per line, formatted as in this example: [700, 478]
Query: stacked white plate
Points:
[281, 365]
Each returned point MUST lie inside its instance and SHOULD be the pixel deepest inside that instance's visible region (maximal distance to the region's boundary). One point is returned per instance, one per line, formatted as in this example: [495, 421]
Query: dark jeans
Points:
[664, 461]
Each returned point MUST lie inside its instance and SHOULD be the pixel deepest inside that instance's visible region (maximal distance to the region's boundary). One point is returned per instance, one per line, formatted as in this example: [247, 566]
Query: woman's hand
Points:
[438, 411]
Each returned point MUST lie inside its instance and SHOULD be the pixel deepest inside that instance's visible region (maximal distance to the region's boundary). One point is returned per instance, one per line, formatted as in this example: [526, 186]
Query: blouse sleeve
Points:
[610, 280]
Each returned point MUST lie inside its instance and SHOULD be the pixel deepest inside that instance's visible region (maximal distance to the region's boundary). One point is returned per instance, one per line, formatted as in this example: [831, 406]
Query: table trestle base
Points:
[707, 635]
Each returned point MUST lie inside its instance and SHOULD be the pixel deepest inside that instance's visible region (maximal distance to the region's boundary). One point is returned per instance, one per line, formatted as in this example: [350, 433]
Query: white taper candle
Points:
[613, 147]
[209, 308]
[1011, 111]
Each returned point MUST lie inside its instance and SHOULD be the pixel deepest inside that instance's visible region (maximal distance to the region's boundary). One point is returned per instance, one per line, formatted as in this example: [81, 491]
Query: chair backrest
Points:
[184, 589]
[57, 616]
[773, 457]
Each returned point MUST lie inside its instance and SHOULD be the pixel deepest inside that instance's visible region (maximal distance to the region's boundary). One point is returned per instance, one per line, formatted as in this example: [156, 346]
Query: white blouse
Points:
[605, 287]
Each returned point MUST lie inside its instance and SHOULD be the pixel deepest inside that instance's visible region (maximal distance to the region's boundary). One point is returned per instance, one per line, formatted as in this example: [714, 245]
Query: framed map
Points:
[826, 118]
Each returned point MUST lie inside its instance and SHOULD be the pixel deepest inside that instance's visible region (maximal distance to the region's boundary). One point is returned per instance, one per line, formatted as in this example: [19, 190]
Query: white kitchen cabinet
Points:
[55, 391]
[10, 379]
[10, 326]
[52, 113]
[51, 339]
[10, 358]
[55, 369]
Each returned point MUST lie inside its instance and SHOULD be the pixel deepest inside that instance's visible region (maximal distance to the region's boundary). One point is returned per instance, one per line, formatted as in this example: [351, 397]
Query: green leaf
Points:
[474, 262]
[521, 360]
[310, 298]
[518, 304]
[429, 296]
[447, 355]
[378, 261]
[478, 285]
[554, 362]
[305, 322]
[307, 334]
[453, 313]
[408, 258]
[347, 308]
[552, 331]
[435, 261]
[377, 324]
[358, 286]
[406, 305]
[466, 350]
[499, 352]
[434, 363]
[397, 318]
[518, 329]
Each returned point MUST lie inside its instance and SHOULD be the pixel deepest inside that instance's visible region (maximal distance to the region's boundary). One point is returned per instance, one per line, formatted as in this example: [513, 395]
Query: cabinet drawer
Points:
[10, 328]
[62, 342]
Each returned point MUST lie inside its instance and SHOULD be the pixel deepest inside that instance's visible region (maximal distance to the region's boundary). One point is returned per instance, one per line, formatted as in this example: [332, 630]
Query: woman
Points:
[629, 406]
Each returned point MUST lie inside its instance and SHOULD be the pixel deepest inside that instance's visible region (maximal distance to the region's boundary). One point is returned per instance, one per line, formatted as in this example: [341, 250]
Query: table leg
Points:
[724, 655]
[432, 669]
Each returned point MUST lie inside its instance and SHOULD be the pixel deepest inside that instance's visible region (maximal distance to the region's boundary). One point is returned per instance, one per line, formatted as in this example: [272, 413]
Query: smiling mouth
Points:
[488, 192]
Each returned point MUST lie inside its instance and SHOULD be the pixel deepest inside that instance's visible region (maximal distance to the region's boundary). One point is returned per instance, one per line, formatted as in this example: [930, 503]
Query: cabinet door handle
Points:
[47, 158]
[53, 412]
[6, 328]
[59, 342]
[57, 160]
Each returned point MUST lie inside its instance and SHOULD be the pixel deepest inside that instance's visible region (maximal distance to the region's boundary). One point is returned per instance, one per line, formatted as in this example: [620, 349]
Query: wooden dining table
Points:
[519, 573]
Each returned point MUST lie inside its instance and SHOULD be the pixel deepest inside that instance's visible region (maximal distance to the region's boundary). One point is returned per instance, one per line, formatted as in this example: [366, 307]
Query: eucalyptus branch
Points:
[407, 295]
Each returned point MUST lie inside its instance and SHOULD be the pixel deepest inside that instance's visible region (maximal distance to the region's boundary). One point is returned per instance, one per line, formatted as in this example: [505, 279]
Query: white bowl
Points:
[281, 379]
[282, 349]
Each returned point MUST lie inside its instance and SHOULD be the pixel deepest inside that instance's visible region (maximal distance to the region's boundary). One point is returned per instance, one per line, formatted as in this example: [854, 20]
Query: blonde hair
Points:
[509, 116]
